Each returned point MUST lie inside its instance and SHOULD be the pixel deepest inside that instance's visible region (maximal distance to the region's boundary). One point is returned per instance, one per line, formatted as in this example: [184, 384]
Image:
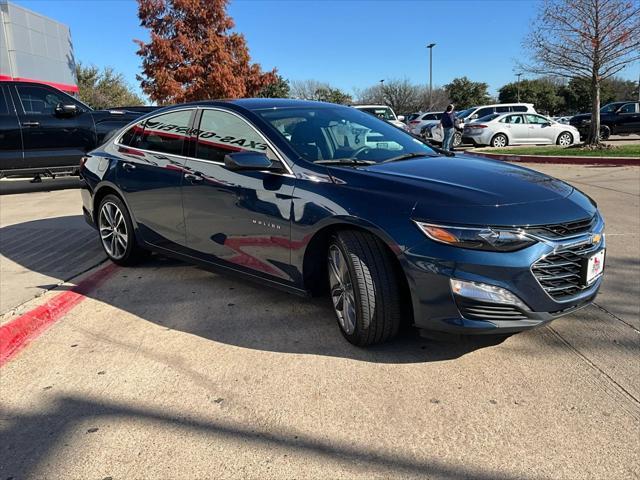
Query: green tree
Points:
[465, 93]
[332, 95]
[543, 93]
[104, 88]
[279, 89]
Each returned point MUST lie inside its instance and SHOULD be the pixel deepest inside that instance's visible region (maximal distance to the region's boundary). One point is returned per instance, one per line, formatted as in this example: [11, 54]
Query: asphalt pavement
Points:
[170, 371]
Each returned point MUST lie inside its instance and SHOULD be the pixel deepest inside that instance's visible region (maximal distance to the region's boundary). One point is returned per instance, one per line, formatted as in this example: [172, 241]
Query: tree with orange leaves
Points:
[193, 55]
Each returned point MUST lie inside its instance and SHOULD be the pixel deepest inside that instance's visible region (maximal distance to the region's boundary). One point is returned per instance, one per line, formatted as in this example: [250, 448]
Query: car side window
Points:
[536, 120]
[513, 119]
[519, 108]
[222, 132]
[483, 112]
[4, 108]
[503, 109]
[629, 108]
[133, 136]
[38, 100]
[164, 133]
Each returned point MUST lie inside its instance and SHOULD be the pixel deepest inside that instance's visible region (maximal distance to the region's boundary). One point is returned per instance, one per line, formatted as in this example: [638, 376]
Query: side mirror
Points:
[68, 110]
[250, 161]
[401, 118]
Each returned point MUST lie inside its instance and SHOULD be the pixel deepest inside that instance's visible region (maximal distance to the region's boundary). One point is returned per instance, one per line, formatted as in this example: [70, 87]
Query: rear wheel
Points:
[364, 288]
[457, 139]
[565, 139]
[605, 132]
[500, 140]
[116, 232]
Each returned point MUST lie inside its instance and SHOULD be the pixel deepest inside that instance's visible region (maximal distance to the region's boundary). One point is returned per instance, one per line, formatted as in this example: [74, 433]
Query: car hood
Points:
[471, 181]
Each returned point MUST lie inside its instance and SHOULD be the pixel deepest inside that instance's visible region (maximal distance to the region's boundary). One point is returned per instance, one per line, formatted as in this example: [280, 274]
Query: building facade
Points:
[35, 48]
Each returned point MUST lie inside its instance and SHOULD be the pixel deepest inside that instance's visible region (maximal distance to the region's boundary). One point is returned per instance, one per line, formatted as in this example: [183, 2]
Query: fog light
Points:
[486, 293]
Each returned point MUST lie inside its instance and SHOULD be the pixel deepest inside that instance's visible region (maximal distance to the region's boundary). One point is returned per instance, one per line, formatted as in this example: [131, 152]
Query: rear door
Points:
[51, 140]
[517, 129]
[10, 135]
[149, 172]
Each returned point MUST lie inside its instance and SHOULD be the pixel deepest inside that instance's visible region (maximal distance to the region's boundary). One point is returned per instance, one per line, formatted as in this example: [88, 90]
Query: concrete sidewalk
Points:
[169, 371]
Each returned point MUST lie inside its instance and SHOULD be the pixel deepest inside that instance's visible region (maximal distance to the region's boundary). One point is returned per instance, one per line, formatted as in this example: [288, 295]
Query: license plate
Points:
[594, 267]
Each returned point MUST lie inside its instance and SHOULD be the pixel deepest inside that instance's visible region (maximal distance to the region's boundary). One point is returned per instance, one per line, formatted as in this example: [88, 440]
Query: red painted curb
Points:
[623, 161]
[17, 334]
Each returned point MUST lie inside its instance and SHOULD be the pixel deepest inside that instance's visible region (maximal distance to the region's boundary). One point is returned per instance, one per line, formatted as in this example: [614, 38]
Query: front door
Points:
[51, 140]
[238, 219]
[540, 130]
[629, 118]
[150, 173]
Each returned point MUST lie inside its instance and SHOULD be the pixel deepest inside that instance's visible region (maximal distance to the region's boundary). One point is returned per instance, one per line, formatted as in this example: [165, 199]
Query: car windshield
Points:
[342, 134]
[465, 113]
[384, 113]
[610, 108]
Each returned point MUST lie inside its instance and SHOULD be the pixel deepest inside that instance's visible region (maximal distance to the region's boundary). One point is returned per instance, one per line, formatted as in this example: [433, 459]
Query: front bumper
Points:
[430, 266]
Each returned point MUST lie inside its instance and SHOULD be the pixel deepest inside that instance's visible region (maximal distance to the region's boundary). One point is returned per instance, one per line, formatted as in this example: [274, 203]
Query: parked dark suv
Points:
[617, 118]
[46, 131]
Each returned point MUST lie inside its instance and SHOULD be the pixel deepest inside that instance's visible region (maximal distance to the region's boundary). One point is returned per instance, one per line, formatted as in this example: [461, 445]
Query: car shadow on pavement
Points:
[214, 306]
[32, 442]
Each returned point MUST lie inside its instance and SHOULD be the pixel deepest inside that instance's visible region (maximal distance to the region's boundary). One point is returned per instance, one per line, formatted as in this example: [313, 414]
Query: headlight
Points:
[487, 238]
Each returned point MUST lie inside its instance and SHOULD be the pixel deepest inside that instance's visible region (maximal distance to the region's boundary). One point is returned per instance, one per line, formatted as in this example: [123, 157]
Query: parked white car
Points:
[383, 112]
[435, 133]
[422, 120]
[502, 129]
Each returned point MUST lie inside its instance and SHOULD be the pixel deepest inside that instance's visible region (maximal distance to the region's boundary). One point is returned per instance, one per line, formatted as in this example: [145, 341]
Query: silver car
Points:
[502, 129]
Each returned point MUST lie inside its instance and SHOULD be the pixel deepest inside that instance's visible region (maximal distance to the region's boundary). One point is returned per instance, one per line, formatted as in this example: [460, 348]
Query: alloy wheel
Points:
[565, 140]
[113, 230]
[500, 141]
[342, 294]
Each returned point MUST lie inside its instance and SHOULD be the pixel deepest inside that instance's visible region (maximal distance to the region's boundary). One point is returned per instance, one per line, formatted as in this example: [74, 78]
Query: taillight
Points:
[413, 122]
[476, 126]
[83, 160]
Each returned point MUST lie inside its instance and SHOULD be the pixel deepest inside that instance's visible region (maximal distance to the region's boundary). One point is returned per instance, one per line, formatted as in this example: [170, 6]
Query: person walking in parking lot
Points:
[448, 126]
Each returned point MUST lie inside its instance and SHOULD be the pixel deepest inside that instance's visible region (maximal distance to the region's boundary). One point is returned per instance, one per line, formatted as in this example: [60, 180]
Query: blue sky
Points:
[347, 43]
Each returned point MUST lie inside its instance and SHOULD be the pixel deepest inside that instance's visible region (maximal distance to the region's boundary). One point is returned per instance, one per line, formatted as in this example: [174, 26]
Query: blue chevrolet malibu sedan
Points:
[317, 198]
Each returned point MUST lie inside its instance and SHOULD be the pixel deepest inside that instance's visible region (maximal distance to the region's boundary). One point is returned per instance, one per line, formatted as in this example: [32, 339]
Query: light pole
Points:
[430, 47]
[519, 75]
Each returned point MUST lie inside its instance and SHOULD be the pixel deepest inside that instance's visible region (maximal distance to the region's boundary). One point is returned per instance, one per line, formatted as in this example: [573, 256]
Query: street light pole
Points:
[430, 47]
[518, 75]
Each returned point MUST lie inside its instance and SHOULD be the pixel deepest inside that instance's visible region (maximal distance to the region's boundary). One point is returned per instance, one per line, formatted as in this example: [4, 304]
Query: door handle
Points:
[193, 178]
[30, 124]
[128, 166]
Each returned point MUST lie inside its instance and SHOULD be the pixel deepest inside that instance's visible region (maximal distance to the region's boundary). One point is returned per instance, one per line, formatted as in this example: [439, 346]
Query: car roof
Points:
[503, 105]
[356, 105]
[260, 103]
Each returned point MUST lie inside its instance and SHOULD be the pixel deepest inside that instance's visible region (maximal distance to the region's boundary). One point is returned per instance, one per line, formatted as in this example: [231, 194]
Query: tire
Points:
[605, 132]
[115, 229]
[565, 139]
[457, 139]
[364, 288]
[499, 140]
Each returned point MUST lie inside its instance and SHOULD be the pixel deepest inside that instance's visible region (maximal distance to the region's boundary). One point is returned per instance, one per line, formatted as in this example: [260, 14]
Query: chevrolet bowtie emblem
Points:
[595, 238]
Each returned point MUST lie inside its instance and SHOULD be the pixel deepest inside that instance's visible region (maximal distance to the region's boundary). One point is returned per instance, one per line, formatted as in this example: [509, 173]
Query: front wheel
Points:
[605, 132]
[457, 139]
[499, 141]
[364, 288]
[565, 139]
[116, 232]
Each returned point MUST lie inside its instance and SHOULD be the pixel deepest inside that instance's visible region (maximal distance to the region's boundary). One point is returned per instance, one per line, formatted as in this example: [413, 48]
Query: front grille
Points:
[474, 310]
[569, 229]
[560, 273]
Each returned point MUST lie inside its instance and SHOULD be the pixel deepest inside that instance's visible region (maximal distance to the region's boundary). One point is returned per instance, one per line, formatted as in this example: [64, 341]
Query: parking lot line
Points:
[16, 335]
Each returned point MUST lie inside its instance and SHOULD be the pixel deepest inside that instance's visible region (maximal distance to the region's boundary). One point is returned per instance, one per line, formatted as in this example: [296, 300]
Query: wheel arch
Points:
[102, 191]
[314, 265]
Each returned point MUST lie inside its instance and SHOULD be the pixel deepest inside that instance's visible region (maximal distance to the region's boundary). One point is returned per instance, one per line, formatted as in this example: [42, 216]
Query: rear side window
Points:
[4, 109]
[165, 133]
[221, 133]
[513, 119]
[503, 109]
[483, 112]
[519, 108]
[132, 137]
